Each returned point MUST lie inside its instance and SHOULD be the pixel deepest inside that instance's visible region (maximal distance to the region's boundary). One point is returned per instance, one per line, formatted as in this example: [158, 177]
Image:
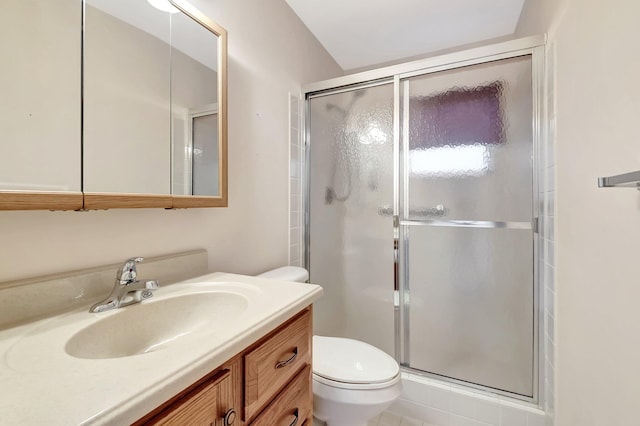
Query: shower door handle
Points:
[439, 210]
[396, 258]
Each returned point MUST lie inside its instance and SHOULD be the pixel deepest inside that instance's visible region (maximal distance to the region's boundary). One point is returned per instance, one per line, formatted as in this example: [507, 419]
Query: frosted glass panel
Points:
[468, 253]
[471, 305]
[351, 231]
[205, 155]
[469, 143]
[465, 186]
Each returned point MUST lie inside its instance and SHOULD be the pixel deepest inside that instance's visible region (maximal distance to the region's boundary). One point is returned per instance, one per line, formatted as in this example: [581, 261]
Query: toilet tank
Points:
[287, 273]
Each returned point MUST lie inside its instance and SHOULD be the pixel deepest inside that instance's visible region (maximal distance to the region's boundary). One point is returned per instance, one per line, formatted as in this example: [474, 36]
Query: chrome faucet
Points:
[127, 288]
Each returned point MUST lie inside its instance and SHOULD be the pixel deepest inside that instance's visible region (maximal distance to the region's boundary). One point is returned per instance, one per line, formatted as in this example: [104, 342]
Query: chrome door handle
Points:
[286, 362]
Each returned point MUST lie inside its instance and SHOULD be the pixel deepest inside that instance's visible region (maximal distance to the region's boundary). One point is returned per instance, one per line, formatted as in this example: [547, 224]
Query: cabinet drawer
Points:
[293, 406]
[275, 362]
[203, 406]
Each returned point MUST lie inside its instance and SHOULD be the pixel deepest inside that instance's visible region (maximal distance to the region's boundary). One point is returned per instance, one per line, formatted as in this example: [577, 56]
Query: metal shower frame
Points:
[533, 46]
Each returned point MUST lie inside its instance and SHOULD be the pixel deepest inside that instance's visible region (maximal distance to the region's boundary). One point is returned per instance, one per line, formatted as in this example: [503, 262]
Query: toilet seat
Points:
[356, 386]
[352, 364]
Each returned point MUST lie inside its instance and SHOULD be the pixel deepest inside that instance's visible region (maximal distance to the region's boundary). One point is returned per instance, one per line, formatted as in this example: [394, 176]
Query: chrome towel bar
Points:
[625, 180]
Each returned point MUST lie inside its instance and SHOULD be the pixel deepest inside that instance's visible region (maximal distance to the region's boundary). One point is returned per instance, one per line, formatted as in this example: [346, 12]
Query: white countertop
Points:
[40, 383]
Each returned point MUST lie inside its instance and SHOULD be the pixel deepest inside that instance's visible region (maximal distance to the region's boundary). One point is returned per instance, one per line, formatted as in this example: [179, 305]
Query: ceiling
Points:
[362, 33]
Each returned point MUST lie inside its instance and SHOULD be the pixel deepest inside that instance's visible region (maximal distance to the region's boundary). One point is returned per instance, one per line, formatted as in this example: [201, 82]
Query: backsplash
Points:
[39, 297]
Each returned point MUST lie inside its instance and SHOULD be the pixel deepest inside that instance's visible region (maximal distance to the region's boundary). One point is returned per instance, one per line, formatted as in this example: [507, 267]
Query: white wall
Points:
[597, 230]
[270, 54]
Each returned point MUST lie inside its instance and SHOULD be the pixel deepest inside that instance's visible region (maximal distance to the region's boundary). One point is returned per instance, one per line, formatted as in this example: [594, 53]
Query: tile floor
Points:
[392, 419]
[388, 419]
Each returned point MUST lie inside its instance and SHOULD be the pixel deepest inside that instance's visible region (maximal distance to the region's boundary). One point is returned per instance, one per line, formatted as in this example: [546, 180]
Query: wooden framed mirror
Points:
[155, 109]
[202, 181]
[129, 112]
[40, 105]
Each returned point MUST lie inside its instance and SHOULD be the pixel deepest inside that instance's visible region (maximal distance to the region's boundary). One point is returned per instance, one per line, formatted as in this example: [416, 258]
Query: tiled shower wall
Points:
[296, 161]
[547, 236]
[438, 403]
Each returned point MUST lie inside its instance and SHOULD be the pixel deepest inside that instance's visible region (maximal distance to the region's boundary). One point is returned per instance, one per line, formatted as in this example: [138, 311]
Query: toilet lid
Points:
[351, 361]
[287, 273]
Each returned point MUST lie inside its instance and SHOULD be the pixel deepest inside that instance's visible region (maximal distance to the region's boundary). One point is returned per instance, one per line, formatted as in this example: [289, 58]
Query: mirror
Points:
[129, 112]
[40, 104]
[154, 111]
[127, 89]
[194, 108]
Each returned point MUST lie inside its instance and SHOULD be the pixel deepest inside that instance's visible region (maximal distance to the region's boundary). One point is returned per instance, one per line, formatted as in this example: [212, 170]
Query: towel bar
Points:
[625, 180]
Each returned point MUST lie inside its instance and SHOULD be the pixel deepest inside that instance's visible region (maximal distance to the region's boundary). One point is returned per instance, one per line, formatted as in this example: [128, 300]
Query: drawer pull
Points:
[284, 363]
[229, 417]
[295, 421]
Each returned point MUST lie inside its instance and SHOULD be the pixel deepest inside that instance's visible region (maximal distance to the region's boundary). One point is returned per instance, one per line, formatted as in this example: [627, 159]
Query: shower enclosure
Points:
[421, 218]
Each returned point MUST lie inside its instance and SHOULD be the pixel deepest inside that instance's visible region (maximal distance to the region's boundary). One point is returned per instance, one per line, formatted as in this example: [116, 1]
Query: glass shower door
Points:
[350, 246]
[467, 243]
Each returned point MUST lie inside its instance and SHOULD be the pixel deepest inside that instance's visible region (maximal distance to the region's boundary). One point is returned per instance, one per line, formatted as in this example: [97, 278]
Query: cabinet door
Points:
[40, 96]
[204, 406]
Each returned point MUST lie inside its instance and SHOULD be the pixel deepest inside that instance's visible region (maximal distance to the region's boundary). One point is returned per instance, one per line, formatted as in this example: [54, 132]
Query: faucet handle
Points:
[151, 284]
[127, 272]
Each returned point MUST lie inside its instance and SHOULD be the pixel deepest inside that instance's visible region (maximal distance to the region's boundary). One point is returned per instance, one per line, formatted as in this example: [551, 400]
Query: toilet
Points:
[352, 380]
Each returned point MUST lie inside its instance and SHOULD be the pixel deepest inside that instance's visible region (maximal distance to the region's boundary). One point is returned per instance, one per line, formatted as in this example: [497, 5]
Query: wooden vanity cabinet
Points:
[212, 401]
[268, 384]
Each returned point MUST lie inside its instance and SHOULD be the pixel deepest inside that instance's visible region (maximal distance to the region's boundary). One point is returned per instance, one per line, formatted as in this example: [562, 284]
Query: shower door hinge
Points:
[535, 225]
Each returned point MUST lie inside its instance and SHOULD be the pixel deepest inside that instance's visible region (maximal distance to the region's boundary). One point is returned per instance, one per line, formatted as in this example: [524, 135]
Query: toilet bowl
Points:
[352, 380]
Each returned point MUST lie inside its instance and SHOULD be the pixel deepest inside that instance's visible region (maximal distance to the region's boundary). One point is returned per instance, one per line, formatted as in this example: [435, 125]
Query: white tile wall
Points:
[436, 403]
[296, 161]
[547, 220]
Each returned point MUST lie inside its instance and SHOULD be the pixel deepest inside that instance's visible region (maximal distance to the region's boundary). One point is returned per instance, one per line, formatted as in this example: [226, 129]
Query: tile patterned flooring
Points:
[392, 419]
[388, 419]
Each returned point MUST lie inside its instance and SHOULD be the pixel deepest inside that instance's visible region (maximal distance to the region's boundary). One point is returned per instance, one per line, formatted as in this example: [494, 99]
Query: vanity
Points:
[267, 384]
[216, 349]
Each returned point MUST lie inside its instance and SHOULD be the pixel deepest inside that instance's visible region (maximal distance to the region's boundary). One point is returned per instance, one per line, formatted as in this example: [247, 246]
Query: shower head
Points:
[329, 195]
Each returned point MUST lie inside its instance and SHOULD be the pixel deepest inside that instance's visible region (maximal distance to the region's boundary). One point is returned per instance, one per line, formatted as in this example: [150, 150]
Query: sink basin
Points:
[156, 324]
